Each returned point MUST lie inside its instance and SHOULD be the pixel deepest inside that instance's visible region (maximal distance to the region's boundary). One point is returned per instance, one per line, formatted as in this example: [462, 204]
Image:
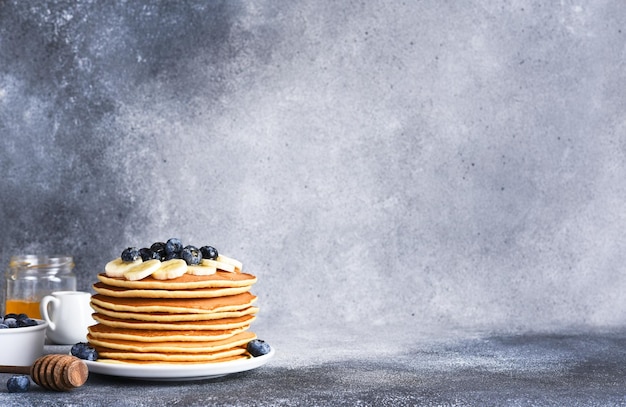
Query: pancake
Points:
[242, 356]
[113, 291]
[167, 317]
[100, 331]
[175, 305]
[220, 279]
[210, 325]
[156, 357]
[175, 347]
[150, 310]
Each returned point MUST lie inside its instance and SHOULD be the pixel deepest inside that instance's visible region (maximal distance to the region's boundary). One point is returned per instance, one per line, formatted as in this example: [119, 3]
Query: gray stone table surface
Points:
[388, 367]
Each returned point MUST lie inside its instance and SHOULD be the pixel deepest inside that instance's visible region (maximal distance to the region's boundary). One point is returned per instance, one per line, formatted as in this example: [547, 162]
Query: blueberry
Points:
[173, 245]
[11, 315]
[191, 255]
[130, 254]
[18, 384]
[170, 256]
[21, 317]
[82, 350]
[258, 347]
[147, 254]
[209, 252]
[159, 248]
[78, 347]
[10, 322]
[26, 322]
[4, 326]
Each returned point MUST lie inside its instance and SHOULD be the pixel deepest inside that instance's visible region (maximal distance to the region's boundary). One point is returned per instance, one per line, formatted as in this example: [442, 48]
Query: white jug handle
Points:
[43, 309]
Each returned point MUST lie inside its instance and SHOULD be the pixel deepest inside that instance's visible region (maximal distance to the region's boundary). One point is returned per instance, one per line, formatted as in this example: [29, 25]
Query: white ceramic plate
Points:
[178, 372]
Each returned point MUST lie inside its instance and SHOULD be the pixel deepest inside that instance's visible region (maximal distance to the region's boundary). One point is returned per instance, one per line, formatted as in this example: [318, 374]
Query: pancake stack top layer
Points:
[166, 310]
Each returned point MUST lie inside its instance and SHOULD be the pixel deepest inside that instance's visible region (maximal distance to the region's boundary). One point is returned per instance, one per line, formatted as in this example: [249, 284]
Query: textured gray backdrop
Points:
[417, 164]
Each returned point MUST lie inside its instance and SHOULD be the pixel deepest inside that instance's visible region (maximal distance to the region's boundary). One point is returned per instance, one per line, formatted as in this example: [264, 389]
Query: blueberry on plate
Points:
[159, 249]
[191, 255]
[173, 245]
[258, 347]
[82, 350]
[130, 254]
[18, 384]
[209, 252]
[148, 254]
[4, 326]
[173, 255]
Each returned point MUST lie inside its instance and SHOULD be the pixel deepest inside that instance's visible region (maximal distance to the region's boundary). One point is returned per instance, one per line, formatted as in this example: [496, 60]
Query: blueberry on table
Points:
[18, 384]
[191, 255]
[258, 347]
[82, 350]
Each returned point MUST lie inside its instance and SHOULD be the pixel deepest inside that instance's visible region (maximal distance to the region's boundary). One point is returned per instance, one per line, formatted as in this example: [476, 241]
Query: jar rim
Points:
[30, 261]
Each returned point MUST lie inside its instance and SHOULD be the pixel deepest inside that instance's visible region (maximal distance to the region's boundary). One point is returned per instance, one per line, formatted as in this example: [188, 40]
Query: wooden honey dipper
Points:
[54, 372]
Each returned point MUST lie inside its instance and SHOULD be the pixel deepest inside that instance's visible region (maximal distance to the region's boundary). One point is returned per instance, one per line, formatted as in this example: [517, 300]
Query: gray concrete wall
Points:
[424, 163]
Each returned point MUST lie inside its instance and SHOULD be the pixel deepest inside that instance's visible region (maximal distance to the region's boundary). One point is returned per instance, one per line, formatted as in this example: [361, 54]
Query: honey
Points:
[30, 308]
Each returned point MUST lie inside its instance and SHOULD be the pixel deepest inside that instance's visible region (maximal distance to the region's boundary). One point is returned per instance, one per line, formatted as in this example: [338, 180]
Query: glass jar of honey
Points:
[29, 278]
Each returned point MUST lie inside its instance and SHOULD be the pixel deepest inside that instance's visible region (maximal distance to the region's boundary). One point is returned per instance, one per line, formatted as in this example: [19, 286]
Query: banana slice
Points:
[201, 270]
[228, 260]
[142, 270]
[218, 265]
[170, 269]
[118, 267]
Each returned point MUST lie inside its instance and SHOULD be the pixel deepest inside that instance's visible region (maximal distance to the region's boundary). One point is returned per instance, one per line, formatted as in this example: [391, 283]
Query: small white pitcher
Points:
[68, 315]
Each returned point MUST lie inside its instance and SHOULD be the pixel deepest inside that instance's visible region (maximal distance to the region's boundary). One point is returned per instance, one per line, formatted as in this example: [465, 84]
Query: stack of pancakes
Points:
[188, 319]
